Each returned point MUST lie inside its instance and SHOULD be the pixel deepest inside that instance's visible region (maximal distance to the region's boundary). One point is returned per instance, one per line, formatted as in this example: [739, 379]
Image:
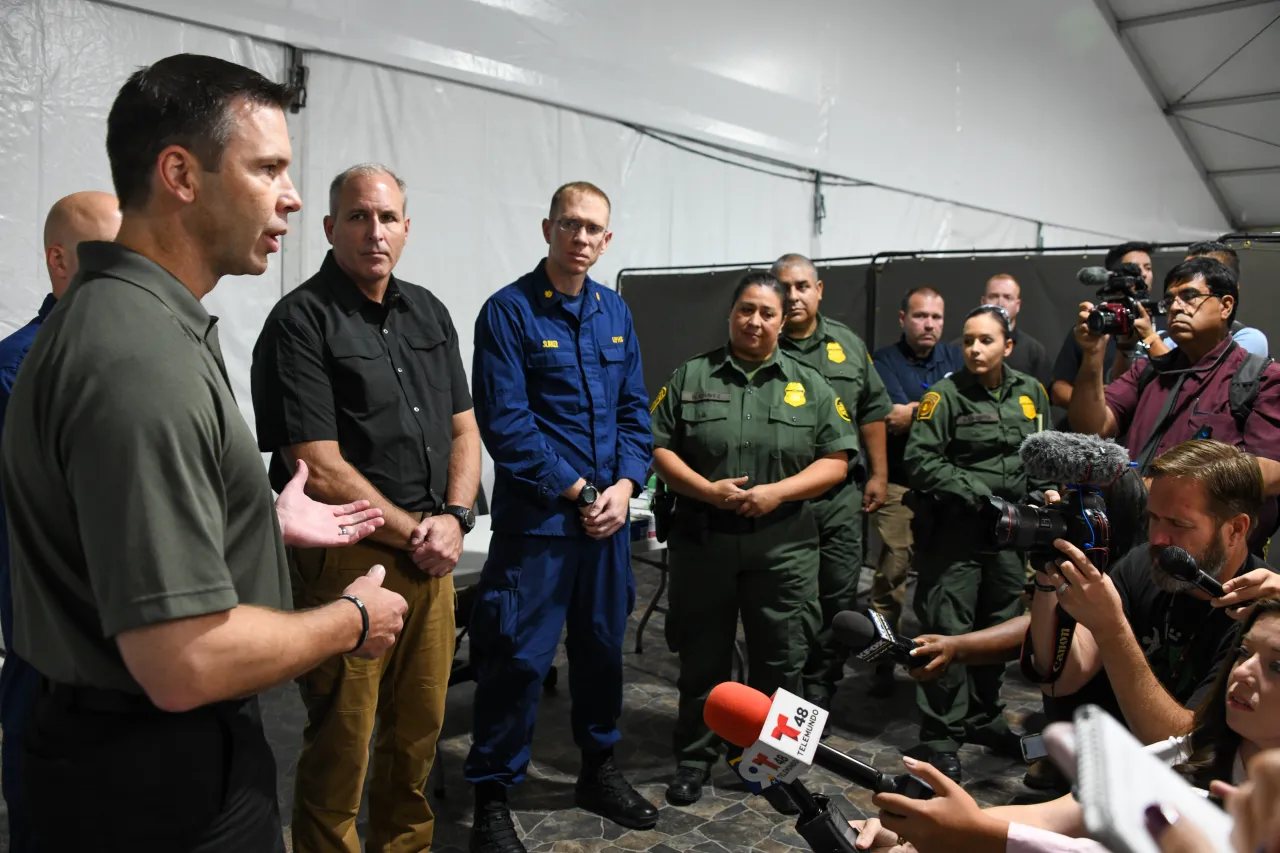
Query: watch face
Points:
[587, 496]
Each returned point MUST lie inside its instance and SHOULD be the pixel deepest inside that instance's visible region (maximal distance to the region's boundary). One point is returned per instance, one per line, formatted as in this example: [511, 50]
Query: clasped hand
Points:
[751, 503]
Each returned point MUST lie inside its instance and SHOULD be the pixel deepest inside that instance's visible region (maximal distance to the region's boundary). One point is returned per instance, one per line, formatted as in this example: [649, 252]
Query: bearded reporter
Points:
[148, 562]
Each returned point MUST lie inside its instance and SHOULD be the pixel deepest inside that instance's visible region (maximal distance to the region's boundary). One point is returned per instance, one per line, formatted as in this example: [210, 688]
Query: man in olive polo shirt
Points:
[357, 373]
[148, 567]
[841, 357]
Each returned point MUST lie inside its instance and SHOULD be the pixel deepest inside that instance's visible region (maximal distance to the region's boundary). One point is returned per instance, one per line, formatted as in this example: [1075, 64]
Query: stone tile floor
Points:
[726, 820]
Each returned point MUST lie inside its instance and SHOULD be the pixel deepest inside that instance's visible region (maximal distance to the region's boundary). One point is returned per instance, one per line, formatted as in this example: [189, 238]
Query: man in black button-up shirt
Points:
[358, 374]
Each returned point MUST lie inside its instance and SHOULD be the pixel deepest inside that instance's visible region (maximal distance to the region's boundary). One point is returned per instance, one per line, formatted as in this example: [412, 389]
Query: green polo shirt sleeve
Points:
[142, 448]
[664, 412]
[834, 432]
[873, 403]
[929, 470]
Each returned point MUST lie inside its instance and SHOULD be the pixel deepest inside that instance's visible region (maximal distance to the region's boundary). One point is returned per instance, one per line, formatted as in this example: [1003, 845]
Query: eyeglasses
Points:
[1188, 296]
[573, 226]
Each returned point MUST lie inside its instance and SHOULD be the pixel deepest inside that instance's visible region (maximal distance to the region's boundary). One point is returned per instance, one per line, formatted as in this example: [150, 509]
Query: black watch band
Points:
[364, 620]
[466, 518]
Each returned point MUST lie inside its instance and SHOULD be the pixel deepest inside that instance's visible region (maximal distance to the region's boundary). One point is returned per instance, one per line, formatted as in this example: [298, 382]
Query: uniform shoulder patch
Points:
[1028, 406]
[841, 410]
[794, 395]
[928, 403]
[835, 352]
[657, 401]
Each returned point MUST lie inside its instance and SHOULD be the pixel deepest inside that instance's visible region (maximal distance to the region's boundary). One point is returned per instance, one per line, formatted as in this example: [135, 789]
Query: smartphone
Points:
[1033, 748]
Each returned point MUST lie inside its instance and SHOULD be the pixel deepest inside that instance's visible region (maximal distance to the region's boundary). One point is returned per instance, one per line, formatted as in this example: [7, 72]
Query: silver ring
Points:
[342, 530]
[1065, 586]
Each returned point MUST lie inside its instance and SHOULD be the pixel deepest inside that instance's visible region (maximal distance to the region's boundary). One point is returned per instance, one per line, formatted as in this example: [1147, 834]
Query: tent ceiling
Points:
[1214, 68]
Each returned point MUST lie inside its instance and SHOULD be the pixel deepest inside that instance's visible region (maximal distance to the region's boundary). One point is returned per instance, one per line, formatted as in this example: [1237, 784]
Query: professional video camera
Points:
[1085, 463]
[1120, 292]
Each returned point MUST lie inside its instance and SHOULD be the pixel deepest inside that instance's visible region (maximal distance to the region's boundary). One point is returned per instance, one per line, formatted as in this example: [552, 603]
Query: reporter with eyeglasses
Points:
[1188, 392]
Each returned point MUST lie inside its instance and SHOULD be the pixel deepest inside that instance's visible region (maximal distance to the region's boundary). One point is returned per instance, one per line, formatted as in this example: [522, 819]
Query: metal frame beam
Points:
[1197, 162]
[1185, 14]
[1240, 173]
[1230, 101]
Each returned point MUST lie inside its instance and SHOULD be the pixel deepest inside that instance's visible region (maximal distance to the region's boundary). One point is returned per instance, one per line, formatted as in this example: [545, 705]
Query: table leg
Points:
[653, 602]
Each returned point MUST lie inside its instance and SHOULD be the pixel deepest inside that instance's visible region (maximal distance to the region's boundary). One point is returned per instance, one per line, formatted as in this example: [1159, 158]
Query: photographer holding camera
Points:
[1147, 646]
[1208, 387]
[1067, 365]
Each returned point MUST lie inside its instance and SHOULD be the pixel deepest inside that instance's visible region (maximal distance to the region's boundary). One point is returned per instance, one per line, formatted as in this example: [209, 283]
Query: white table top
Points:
[475, 546]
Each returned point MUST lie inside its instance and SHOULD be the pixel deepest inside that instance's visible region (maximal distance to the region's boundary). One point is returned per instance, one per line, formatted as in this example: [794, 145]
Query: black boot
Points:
[686, 788]
[492, 830]
[601, 789]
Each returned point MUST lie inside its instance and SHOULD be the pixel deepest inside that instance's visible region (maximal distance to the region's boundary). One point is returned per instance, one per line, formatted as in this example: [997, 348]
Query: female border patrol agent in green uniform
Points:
[963, 446]
[744, 436]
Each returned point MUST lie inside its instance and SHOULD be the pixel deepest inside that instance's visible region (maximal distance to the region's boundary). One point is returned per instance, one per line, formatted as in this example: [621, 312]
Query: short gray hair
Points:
[792, 259]
[363, 170]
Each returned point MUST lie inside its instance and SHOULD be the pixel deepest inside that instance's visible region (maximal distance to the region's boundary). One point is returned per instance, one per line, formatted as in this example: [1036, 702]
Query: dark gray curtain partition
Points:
[679, 313]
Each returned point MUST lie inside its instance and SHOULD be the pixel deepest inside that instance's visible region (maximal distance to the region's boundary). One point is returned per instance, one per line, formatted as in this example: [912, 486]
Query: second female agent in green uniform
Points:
[744, 436]
[963, 447]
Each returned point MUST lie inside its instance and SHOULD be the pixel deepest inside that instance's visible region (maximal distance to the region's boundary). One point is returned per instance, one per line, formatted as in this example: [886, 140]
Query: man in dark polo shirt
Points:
[149, 572]
[1186, 394]
[908, 368]
[358, 373]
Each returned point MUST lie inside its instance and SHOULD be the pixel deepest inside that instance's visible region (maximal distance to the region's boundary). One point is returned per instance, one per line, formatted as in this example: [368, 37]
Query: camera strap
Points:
[1160, 427]
[1063, 631]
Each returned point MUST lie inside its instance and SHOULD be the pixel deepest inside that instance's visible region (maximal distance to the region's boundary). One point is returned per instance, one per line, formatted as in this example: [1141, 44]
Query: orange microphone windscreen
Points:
[736, 712]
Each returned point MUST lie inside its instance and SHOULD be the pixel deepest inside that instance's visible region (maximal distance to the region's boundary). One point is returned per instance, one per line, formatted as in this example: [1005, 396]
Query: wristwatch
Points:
[466, 518]
[587, 496]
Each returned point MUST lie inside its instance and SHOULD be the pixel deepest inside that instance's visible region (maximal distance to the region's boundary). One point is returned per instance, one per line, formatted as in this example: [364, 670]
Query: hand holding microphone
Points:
[871, 639]
[747, 718]
[1234, 595]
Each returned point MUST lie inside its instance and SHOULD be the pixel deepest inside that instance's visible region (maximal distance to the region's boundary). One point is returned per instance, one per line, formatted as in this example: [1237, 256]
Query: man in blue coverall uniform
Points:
[72, 220]
[563, 412]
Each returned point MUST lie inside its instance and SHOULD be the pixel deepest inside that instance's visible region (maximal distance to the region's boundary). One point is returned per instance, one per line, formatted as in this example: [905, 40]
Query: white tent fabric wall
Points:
[480, 167]
[61, 63]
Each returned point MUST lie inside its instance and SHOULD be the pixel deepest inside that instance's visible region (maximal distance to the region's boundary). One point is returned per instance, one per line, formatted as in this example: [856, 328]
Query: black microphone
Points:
[1179, 564]
[871, 639]
[1068, 457]
[866, 776]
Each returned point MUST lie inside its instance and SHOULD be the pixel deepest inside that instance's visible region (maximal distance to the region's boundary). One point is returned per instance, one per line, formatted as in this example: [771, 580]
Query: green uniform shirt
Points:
[134, 488]
[835, 351]
[769, 427]
[965, 438]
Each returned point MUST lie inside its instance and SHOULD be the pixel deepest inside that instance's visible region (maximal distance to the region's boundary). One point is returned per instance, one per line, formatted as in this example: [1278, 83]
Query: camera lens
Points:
[1023, 528]
[1103, 321]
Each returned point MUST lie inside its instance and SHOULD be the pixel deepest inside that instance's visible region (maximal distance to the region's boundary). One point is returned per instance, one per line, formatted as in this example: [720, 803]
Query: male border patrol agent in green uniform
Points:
[841, 357]
[744, 436]
[962, 448]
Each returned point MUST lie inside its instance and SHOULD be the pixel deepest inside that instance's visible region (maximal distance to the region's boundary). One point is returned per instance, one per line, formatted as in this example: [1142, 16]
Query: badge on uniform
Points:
[835, 352]
[794, 395]
[657, 401]
[1028, 407]
[928, 403]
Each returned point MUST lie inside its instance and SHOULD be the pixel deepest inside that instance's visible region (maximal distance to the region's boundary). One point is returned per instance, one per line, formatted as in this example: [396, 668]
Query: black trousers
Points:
[109, 772]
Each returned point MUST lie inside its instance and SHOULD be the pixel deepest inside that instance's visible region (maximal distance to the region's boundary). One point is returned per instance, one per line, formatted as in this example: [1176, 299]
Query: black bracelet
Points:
[364, 620]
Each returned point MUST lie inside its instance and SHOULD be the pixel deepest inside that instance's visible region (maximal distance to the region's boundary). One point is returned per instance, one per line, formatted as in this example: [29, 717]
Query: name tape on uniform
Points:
[703, 397]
